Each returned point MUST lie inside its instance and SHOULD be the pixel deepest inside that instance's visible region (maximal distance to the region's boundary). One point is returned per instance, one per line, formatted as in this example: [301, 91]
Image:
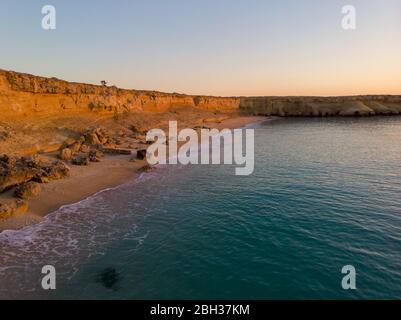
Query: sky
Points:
[213, 47]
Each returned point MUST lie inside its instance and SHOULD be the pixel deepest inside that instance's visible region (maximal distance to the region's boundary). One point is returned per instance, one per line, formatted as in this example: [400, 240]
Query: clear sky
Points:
[219, 47]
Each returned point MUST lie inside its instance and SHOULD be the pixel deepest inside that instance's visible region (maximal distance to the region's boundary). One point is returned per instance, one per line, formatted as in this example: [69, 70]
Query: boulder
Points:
[15, 171]
[146, 168]
[85, 148]
[141, 154]
[66, 154]
[69, 142]
[92, 138]
[27, 190]
[9, 208]
[95, 155]
[54, 171]
[81, 160]
[117, 151]
[75, 147]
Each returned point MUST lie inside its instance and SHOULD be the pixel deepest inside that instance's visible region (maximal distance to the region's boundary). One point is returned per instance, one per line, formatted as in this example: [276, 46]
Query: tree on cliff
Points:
[103, 82]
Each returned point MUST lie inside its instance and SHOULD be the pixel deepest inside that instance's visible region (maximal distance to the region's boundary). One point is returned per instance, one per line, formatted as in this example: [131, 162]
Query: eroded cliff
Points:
[24, 95]
[322, 106]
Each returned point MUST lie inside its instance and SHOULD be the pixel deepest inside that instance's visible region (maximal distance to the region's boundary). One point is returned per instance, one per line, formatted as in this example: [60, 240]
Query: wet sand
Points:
[85, 181]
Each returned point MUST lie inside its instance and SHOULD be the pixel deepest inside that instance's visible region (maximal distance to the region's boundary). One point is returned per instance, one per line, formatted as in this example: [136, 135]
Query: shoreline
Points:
[86, 181]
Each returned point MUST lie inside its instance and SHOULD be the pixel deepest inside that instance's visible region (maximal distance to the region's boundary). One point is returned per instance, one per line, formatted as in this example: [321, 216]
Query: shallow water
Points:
[325, 193]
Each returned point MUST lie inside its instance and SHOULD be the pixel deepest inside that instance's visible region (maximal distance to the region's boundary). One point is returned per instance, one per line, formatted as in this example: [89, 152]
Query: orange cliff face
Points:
[23, 95]
[27, 96]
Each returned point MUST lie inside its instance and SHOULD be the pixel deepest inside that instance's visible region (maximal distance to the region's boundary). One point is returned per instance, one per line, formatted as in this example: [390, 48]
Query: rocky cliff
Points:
[23, 95]
[322, 106]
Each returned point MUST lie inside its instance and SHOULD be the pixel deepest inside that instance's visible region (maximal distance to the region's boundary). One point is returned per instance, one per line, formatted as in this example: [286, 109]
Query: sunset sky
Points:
[217, 47]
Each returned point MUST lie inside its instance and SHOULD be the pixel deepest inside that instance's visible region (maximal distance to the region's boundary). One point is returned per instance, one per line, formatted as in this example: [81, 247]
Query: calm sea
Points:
[325, 193]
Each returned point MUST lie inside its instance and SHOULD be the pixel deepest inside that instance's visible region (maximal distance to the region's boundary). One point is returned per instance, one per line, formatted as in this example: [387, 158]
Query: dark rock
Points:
[95, 155]
[117, 151]
[81, 160]
[109, 278]
[141, 154]
[146, 168]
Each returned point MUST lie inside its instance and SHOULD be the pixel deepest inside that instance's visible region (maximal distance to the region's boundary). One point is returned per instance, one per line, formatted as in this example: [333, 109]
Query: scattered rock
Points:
[66, 154]
[69, 142]
[146, 168]
[9, 208]
[27, 190]
[75, 147]
[81, 160]
[54, 171]
[141, 154]
[95, 155]
[122, 133]
[92, 138]
[85, 148]
[117, 151]
[14, 171]
[136, 131]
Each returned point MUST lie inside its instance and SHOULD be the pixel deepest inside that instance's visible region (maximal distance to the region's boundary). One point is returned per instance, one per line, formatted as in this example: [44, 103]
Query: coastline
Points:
[112, 171]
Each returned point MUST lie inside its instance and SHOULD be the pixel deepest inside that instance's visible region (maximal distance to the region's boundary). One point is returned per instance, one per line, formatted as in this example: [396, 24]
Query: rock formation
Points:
[9, 208]
[17, 171]
[322, 106]
[27, 190]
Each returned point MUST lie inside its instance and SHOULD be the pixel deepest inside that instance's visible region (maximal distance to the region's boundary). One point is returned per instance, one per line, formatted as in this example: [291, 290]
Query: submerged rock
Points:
[109, 278]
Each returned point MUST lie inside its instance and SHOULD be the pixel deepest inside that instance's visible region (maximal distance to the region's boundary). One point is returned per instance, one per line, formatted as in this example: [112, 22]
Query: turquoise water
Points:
[325, 193]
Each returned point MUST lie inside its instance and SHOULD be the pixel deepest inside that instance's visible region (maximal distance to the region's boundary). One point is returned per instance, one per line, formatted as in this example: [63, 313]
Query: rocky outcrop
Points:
[23, 95]
[27, 190]
[9, 208]
[17, 171]
[81, 160]
[322, 106]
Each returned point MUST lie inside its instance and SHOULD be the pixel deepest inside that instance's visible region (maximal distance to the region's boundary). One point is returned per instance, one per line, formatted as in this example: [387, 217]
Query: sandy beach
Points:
[85, 181]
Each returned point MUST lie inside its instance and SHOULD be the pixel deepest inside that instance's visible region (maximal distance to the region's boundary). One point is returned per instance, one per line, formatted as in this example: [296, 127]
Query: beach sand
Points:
[85, 181]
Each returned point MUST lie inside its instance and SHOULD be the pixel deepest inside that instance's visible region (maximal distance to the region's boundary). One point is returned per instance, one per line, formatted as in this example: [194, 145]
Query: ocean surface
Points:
[325, 193]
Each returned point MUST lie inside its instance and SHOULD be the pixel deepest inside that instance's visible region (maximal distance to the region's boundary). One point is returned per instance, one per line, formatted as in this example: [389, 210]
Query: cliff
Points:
[24, 95]
[322, 106]
[28, 96]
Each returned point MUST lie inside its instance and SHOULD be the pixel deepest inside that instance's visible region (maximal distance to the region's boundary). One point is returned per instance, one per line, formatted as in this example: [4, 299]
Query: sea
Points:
[325, 193]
